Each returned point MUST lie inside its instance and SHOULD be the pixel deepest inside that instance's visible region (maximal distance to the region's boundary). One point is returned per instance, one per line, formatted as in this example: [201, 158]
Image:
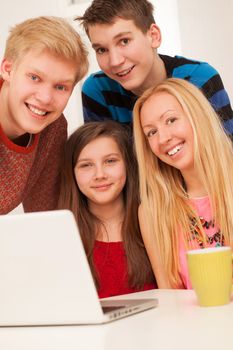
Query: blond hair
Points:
[162, 191]
[47, 32]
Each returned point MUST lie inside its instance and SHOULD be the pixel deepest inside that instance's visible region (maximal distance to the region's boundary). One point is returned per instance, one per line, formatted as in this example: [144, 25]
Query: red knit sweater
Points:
[31, 174]
[111, 266]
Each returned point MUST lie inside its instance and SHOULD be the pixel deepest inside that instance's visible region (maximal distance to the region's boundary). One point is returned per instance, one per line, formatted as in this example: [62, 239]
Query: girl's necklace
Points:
[196, 234]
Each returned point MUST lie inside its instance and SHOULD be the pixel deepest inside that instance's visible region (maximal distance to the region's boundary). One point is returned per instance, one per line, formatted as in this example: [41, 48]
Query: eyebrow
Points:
[119, 35]
[106, 156]
[161, 117]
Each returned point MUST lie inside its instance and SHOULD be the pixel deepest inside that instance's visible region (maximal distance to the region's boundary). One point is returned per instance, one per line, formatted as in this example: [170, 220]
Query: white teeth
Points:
[174, 150]
[124, 73]
[36, 111]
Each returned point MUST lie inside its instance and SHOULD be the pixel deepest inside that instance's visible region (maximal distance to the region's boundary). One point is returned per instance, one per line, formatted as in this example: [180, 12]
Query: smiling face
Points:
[168, 131]
[35, 91]
[126, 54]
[100, 172]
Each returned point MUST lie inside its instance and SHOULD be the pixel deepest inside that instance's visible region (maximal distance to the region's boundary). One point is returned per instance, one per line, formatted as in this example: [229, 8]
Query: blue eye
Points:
[34, 77]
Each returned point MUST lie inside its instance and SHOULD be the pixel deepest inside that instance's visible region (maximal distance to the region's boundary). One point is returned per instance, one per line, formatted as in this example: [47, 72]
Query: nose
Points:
[164, 136]
[99, 172]
[115, 58]
[44, 95]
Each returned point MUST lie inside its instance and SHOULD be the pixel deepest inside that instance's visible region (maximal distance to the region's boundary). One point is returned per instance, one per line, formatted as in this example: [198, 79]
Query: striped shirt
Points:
[104, 98]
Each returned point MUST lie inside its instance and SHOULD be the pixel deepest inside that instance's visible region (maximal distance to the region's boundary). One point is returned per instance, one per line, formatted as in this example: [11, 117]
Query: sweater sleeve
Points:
[104, 98]
[219, 99]
[94, 104]
[42, 190]
[209, 80]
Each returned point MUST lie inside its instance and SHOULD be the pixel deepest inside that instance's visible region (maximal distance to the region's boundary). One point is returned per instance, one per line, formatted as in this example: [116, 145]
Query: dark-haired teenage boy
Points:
[125, 38]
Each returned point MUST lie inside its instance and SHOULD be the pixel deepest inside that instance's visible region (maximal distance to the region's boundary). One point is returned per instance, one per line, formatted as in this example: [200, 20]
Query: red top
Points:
[111, 266]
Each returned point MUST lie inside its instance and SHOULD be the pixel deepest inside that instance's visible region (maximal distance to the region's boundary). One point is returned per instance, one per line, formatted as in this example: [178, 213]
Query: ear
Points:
[155, 35]
[6, 68]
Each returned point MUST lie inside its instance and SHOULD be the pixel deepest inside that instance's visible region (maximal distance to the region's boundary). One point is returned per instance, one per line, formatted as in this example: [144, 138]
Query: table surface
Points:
[177, 323]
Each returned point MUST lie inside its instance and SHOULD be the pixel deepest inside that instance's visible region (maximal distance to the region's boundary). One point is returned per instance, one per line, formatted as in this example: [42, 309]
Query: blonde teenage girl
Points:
[186, 178]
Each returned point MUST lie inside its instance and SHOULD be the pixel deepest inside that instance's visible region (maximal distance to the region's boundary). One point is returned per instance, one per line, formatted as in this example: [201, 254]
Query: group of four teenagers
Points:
[135, 231]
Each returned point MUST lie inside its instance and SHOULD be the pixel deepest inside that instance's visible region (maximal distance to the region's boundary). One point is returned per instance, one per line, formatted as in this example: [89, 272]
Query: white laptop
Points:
[45, 277]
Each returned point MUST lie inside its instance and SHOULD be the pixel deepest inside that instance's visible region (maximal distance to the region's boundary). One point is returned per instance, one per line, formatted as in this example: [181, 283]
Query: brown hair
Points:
[48, 32]
[72, 198]
[106, 11]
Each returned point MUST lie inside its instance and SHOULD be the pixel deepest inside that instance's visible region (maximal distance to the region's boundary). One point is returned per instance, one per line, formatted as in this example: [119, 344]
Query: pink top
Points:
[213, 235]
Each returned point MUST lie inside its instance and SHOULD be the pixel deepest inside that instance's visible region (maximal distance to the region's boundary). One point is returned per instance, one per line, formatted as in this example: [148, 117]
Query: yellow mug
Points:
[210, 272]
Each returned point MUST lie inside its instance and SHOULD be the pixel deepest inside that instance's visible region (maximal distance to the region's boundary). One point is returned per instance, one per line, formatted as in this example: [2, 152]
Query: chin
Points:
[130, 87]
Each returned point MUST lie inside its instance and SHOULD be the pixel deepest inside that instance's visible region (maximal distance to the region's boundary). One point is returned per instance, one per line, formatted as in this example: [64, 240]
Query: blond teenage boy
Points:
[43, 60]
[125, 38]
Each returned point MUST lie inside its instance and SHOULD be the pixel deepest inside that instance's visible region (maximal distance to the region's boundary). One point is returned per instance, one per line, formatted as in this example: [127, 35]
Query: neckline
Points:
[103, 242]
[198, 198]
[16, 148]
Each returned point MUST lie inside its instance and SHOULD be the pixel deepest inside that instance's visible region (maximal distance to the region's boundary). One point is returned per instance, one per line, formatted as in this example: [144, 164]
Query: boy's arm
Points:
[94, 110]
[221, 103]
[95, 107]
[43, 186]
[210, 82]
[104, 98]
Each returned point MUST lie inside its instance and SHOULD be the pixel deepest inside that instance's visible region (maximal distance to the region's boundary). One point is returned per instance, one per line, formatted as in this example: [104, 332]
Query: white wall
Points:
[14, 11]
[207, 34]
[166, 16]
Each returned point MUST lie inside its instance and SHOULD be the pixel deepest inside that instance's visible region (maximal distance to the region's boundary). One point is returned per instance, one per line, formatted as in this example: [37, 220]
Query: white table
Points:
[177, 323]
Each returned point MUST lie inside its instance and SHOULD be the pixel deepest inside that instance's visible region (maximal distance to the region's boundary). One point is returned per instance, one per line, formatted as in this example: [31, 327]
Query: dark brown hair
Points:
[72, 198]
[106, 11]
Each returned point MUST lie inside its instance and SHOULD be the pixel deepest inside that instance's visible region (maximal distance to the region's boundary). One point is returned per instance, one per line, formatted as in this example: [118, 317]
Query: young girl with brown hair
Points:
[100, 186]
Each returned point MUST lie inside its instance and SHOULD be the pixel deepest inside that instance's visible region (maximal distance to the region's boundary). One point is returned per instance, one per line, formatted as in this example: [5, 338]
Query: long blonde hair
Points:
[162, 190]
